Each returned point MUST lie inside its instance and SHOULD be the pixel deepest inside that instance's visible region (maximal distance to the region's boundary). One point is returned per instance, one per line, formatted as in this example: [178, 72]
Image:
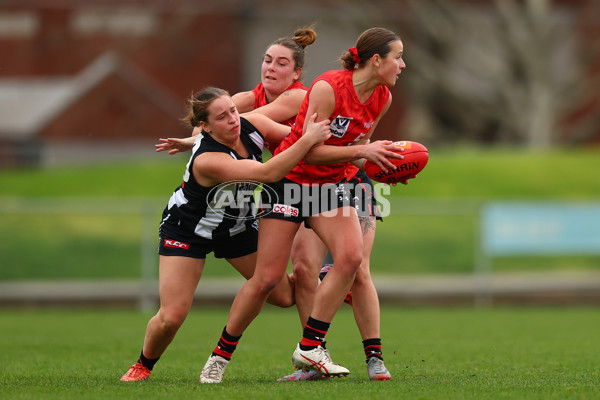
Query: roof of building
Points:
[27, 105]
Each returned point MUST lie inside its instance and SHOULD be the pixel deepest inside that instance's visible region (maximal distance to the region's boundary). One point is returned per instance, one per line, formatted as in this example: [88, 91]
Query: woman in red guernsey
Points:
[279, 93]
[354, 99]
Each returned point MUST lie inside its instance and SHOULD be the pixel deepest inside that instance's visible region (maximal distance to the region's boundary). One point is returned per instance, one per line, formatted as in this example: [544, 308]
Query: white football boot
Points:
[317, 359]
[213, 370]
[377, 370]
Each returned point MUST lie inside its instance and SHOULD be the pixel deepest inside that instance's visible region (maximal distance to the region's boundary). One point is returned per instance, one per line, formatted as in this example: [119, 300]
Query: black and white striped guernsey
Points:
[214, 212]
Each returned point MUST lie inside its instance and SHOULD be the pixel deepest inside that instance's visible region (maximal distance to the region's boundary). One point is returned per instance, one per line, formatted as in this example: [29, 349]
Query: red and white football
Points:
[415, 158]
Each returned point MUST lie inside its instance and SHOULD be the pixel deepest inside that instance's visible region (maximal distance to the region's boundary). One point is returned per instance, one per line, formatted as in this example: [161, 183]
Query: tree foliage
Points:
[501, 72]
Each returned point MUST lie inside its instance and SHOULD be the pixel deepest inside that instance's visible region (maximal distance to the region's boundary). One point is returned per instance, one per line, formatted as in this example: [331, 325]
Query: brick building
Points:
[75, 72]
[116, 74]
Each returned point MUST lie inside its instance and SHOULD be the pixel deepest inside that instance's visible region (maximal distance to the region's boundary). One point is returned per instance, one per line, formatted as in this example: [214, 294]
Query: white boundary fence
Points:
[146, 288]
[146, 207]
[501, 229]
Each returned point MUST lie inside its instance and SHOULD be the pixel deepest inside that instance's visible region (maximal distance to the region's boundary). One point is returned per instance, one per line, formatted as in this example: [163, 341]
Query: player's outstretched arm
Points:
[175, 145]
[214, 168]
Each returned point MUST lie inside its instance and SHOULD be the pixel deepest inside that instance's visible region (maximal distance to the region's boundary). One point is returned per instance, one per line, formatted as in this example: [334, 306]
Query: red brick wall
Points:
[182, 54]
[112, 110]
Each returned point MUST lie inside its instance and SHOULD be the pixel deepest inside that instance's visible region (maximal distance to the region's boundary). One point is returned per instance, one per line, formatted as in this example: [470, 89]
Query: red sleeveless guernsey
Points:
[260, 98]
[351, 120]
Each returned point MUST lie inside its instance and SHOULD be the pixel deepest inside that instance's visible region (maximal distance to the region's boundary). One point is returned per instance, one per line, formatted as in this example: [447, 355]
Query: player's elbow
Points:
[317, 155]
[308, 159]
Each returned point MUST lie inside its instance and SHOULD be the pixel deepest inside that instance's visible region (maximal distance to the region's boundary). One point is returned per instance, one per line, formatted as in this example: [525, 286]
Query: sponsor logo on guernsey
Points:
[176, 244]
[340, 125]
[286, 210]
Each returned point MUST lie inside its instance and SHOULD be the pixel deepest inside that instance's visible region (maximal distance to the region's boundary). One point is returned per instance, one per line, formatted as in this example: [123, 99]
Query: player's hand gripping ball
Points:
[415, 159]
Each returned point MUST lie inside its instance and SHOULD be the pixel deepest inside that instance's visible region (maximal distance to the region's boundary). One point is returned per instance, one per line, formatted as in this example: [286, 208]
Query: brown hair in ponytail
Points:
[302, 37]
[370, 42]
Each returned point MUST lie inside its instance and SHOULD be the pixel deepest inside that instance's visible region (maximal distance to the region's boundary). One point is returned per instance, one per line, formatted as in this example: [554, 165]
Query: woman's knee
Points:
[349, 260]
[305, 273]
[264, 285]
[172, 318]
[306, 260]
[363, 276]
[300, 265]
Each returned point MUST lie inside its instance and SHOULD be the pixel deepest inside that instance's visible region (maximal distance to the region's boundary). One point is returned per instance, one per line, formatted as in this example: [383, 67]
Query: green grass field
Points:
[452, 353]
[530, 353]
[564, 174]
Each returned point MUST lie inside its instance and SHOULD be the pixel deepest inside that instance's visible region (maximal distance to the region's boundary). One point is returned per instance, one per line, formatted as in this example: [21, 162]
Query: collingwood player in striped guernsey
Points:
[213, 210]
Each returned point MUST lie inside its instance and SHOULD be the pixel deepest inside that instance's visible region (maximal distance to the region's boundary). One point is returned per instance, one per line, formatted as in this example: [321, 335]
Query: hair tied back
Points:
[354, 52]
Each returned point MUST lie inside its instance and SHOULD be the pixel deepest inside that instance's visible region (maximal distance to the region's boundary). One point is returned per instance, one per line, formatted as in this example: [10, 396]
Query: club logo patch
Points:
[339, 126]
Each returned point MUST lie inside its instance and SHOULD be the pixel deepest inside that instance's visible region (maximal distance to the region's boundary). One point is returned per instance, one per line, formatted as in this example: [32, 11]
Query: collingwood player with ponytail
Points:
[226, 160]
[279, 93]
